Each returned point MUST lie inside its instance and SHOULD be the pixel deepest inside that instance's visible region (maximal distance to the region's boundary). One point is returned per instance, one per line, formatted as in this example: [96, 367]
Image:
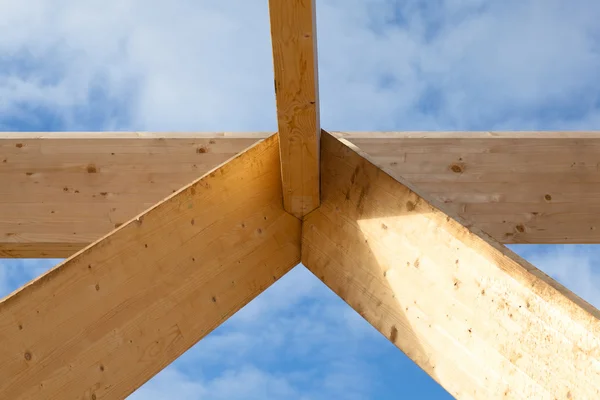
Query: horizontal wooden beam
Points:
[135, 135]
[105, 321]
[481, 321]
[61, 191]
[294, 40]
[519, 187]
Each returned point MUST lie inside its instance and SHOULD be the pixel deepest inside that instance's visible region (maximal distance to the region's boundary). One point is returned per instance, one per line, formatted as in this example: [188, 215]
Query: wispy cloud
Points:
[459, 64]
[384, 65]
[182, 65]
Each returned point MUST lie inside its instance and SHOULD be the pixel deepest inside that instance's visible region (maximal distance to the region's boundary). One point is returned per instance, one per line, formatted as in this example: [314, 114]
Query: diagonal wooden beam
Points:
[103, 322]
[519, 187]
[61, 191]
[293, 32]
[481, 321]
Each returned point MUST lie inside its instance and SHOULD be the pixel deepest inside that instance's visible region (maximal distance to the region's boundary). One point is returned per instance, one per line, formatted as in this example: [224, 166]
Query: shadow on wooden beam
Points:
[519, 187]
[480, 320]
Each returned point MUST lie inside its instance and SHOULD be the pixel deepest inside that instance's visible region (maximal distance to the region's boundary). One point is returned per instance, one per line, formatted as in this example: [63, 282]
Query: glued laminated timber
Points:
[168, 235]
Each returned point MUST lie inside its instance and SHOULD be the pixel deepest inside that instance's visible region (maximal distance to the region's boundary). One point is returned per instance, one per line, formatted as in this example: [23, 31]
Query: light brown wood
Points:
[466, 134]
[481, 321]
[134, 135]
[39, 247]
[293, 33]
[105, 321]
[519, 187]
[60, 191]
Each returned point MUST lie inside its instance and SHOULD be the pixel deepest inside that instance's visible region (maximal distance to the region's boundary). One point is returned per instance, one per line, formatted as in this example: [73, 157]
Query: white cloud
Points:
[180, 65]
[475, 64]
[250, 383]
[206, 65]
[244, 383]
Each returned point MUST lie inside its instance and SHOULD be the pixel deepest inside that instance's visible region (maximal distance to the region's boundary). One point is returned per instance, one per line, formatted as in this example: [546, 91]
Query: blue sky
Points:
[188, 65]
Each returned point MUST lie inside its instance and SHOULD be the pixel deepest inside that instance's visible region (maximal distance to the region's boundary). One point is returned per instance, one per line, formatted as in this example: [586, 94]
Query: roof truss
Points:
[109, 318]
[392, 235]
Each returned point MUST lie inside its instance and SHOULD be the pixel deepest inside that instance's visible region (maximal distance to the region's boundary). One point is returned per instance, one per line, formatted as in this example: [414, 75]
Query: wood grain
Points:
[105, 321]
[61, 191]
[293, 33]
[481, 321]
[519, 187]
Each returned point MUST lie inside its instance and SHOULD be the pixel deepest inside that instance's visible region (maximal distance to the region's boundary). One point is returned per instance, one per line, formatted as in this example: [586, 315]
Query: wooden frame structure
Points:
[167, 235]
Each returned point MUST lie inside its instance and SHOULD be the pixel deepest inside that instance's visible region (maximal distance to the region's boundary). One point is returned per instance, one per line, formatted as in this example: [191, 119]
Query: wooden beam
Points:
[293, 32]
[519, 187]
[481, 321]
[61, 191]
[105, 321]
